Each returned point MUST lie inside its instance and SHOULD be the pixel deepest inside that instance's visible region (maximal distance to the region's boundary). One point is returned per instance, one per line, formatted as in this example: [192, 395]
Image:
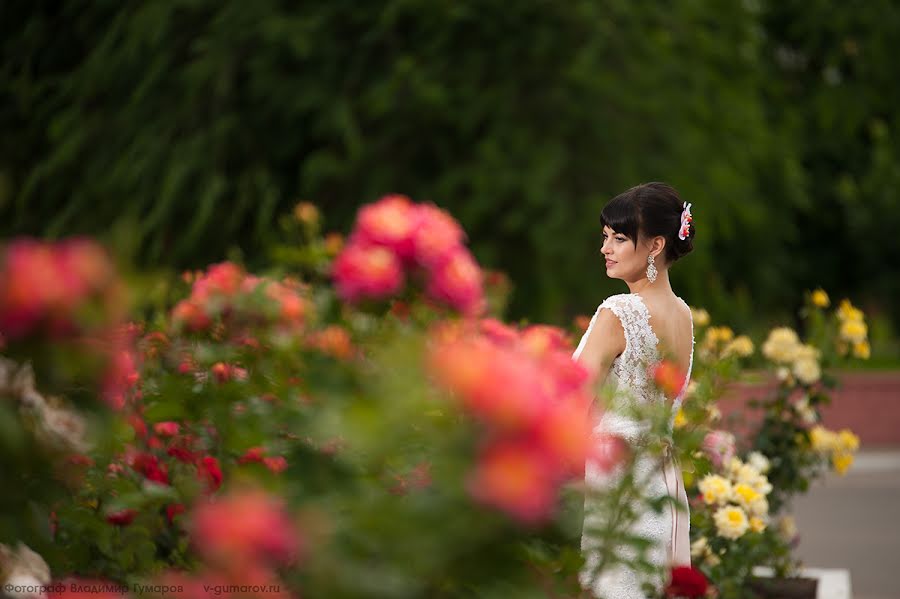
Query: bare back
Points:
[670, 319]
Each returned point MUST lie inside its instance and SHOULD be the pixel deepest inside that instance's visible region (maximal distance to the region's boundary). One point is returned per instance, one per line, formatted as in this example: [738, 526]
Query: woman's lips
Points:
[610, 263]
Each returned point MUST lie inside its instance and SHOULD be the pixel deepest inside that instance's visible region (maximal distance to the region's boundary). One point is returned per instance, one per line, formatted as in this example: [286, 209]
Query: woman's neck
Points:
[643, 285]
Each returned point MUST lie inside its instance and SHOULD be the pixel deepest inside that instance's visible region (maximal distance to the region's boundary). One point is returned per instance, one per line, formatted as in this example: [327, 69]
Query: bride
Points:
[645, 230]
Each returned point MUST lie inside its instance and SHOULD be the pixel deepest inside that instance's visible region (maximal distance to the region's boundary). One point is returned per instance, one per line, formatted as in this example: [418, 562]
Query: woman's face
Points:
[624, 260]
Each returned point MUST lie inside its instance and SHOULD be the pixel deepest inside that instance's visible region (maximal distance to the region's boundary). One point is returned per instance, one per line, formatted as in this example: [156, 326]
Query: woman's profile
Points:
[645, 230]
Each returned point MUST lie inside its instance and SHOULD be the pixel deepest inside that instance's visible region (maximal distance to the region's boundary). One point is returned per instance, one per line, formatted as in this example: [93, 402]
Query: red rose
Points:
[122, 517]
[208, 471]
[686, 582]
[150, 466]
[172, 510]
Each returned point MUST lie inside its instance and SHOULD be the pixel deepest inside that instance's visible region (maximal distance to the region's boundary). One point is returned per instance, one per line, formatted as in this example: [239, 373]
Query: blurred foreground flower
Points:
[226, 294]
[244, 528]
[685, 581]
[58, 289]
[532, 399]
[669, 378]
[393, 239]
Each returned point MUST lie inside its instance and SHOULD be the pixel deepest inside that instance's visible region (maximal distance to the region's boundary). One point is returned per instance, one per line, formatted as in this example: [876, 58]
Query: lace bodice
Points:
[630, 371]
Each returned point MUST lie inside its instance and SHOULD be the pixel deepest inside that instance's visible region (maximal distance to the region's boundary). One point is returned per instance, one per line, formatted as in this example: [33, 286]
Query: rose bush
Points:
[354, 422]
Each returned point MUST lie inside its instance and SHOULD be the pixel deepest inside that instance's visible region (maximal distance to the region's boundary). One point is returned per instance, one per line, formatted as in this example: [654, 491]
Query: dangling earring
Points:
[651, 269]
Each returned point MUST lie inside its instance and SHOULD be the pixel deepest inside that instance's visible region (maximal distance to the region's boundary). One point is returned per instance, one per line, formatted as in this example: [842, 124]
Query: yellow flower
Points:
[757, 524]
[846, 311]
[841, 461]
[712, 560]
[680, 419]
[721, 334]
[744, 495]
[822, 439]
[715, 489]
[847, 441]
[733, 467]
[781, 345]
[862, 350]
[740, 346]
[807, 371]
[700, 316]
[854, 331]
[731, 522]
[820, 298]
[749, 475]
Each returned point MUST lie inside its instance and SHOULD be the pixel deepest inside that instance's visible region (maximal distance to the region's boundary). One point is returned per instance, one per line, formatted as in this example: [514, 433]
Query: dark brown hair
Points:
[649, 210]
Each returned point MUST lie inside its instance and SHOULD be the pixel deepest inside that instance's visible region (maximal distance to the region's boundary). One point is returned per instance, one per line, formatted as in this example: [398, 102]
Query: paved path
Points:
[853, 522]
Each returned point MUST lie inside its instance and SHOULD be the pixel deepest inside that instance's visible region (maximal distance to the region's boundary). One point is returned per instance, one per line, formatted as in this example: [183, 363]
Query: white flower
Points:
[805, 411]
[787, 527]
[781, 345]
[783, 373]
[699, 547]
[807, 370]
[759, 461]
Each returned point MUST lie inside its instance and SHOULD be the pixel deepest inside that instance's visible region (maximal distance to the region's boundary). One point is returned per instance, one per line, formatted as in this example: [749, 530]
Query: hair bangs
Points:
[621, 215]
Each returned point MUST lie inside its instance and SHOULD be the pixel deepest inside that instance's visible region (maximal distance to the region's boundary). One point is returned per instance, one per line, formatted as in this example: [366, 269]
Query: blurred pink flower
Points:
[719, 446]
[367, 272]
[540, 339]
[608, 451]
[46, 284]
[515, 478]
[457, 282]
[245, 527]
[390, 222]
[436, 235]
[166, 429]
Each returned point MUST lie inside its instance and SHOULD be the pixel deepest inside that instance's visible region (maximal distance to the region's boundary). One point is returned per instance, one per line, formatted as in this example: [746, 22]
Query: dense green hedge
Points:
[190, 123]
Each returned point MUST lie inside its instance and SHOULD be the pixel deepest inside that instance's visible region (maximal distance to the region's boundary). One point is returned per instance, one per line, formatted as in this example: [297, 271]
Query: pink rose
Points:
[719, 446]
[367, 272]
[457, 283]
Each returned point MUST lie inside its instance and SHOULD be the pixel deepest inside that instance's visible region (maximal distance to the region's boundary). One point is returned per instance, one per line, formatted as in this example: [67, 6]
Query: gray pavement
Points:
[853, 522]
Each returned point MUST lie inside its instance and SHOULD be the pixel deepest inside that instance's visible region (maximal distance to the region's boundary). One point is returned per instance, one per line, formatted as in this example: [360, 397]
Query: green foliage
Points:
[179, 129]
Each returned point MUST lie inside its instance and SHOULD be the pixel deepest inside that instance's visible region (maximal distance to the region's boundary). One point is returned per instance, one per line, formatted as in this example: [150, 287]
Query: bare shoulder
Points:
[605, 341]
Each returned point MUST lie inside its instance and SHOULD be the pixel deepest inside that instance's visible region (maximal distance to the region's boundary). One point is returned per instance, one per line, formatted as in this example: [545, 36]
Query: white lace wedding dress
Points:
[668, 530]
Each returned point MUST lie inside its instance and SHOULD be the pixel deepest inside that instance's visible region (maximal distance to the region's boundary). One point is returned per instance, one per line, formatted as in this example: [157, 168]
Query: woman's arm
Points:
[605, 342]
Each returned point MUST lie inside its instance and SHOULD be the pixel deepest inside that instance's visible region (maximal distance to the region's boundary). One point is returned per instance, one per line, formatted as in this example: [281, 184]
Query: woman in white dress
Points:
[645, 230]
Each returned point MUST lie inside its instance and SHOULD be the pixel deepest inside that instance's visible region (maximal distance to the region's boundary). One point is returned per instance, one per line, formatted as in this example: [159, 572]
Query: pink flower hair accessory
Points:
[686, 220]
